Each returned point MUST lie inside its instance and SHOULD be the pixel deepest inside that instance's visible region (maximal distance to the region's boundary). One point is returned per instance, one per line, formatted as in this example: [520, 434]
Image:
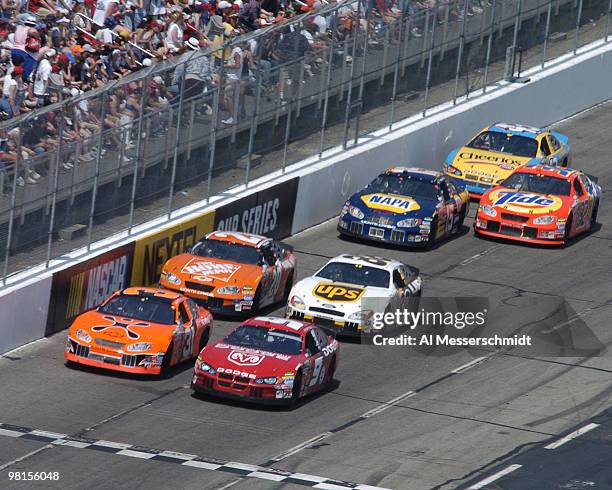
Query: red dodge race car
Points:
[267, 360]
[540, 204]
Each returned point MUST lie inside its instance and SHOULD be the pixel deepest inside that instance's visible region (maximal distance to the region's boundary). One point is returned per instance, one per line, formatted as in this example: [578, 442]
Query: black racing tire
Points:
[256, 299]
[564, 162]
[288, 287]
[568, 230]
[329, 376]
[594, 216]
[297, 387]
[461, 220]
[433, 234]
[204, 340]
[165, 367]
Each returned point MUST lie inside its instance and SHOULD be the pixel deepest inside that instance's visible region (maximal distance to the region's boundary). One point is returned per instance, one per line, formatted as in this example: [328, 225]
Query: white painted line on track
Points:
[301, 446]
[495, 477]
[471, 364]
[571, 435]
[386, 405]
[473, 258]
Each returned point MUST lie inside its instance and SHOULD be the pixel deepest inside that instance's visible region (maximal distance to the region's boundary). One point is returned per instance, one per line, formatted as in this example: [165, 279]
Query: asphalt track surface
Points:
[395, 418]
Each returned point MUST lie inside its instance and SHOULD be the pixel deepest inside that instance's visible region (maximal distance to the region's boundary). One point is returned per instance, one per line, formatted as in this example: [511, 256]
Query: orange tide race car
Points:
[232, 273]
[139, 330]
[540, 204]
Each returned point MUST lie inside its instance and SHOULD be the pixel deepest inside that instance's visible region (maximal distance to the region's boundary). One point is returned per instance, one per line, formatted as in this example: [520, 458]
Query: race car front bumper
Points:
[542, 235]
[127, 363]
[475, 189]
[349, 226]
[225, 388]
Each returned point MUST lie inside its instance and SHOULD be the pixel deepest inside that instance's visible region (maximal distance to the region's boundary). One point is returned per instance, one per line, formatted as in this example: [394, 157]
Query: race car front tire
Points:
[568, 230]
[433, 233]
[594, 216]
[165, 367]
[297, 387]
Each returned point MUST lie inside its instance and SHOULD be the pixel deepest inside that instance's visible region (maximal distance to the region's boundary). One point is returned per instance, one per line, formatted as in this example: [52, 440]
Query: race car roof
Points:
[518, 129]
[246, 239]
[170, 296]
[540, 169]
[286, 324]
[367, 260]
[415, 172]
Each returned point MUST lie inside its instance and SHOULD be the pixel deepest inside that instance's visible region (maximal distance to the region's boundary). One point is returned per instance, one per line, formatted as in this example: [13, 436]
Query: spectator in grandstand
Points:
[41, 78]
[12, 92]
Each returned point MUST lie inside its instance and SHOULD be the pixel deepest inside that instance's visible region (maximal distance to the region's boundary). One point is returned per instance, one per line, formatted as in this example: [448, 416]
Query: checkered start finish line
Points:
[192, 460]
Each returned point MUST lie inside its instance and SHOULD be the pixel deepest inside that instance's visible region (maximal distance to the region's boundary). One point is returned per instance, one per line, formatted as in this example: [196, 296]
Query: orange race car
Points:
[540, 204]
[139, 330]
[232, 273]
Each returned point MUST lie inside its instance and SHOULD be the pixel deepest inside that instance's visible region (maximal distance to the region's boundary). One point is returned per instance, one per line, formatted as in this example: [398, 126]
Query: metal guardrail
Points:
[206, 136]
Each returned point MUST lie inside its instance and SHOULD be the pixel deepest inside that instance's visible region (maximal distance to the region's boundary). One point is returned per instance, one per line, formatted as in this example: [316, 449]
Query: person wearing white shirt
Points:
[41, 78]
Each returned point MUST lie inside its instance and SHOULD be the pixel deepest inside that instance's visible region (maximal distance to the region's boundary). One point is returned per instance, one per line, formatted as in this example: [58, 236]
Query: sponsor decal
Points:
[389, 202]
[247, 350]
[152, 251]
[205, 270]
[236, 372]
[125, 324]
[87, 285]
[335, 292]
[244, 358]
[268, 213]
[477, 157]
[525, 202]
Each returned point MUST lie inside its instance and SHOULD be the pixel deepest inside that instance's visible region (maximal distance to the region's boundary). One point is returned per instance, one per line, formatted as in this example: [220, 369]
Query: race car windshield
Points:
[233, 252]
[505, 143]
[540, 184]
[404, 186]
[153, 310]
[358, 274]
[266, 339]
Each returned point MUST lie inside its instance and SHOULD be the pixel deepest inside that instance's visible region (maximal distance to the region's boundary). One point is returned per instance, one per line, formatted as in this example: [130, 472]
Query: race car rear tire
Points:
[568, 229]
[297, 387]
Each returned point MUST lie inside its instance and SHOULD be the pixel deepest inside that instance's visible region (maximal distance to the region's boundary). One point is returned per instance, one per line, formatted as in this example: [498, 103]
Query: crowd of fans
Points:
[51, 50]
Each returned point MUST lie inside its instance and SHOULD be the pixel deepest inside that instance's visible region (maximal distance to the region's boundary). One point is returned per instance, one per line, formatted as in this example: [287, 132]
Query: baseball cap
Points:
[18, 70]
[89, 48]
[224, 4]
[77, 49]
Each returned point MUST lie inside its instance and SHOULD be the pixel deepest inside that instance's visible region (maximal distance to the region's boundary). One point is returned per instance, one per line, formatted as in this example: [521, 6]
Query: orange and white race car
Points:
[139, 330]
[540, 204]
[232, 273]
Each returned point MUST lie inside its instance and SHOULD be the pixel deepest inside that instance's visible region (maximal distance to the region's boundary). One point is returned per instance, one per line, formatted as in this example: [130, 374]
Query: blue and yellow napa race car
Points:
[405, 206]
[498, 150]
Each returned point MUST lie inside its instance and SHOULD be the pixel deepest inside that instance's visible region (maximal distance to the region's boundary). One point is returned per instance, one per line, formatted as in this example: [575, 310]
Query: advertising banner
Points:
[268, 213]
[86, 285]
[152, 251]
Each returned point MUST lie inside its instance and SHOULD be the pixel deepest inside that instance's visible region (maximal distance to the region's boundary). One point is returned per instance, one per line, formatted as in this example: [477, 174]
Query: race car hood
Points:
[528, 203]
[392, 206]
[212, 271]
[486, 164]
[122, 330]
[343, 297]
[252, 361]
